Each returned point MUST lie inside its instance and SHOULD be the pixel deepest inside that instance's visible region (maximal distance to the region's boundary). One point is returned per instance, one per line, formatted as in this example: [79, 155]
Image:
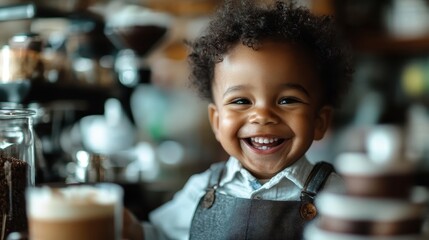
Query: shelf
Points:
[389, 45]
[184, 7]
[25, 11]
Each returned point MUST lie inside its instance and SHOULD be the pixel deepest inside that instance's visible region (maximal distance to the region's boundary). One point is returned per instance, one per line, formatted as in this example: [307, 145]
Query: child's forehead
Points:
[271, 55]
[270, 62]
[272, 47]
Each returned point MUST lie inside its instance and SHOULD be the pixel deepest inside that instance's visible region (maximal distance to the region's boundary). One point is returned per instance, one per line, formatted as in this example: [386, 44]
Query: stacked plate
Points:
[380, 202]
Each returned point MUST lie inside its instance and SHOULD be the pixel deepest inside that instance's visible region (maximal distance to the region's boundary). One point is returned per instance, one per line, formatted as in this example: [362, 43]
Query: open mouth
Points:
[264, 143]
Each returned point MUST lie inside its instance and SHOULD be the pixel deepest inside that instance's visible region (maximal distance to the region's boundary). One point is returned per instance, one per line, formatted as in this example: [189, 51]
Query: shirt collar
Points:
[296, 173]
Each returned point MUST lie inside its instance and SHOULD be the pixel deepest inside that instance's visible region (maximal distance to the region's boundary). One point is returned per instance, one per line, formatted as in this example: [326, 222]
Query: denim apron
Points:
[220, 217]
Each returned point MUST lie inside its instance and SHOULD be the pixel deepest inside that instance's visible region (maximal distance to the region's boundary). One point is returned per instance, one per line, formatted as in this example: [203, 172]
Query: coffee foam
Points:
[313, 232]
[372, 209]
[73, 202]
[359, 164]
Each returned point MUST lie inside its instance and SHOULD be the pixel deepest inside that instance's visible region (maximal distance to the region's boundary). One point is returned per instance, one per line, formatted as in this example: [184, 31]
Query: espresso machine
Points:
[53, 64]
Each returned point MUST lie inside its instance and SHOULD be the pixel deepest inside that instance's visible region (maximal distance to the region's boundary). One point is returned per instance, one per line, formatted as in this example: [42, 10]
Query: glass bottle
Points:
[17, 169]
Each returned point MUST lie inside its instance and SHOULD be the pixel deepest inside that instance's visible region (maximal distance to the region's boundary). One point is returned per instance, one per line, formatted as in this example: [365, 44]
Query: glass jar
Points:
[17, 170]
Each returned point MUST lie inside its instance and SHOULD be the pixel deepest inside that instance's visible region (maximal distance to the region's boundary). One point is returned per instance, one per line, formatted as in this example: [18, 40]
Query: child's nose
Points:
[263, 115]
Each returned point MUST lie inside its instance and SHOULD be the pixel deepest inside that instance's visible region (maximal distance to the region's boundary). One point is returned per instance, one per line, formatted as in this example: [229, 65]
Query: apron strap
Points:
[215, 176]
[315, 181]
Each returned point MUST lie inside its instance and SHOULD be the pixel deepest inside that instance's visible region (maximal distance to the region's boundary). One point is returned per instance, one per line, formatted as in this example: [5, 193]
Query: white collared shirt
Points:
[173, 219]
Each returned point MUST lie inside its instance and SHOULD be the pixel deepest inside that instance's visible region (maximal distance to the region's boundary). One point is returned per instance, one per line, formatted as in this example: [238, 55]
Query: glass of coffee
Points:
[84, 212]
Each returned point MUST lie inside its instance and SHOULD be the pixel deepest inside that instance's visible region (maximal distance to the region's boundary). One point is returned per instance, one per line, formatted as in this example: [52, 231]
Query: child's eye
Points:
[240, 101]
[288, 100]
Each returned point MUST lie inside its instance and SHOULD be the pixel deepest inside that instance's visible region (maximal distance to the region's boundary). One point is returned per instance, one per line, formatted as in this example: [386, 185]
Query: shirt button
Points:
[257, 197]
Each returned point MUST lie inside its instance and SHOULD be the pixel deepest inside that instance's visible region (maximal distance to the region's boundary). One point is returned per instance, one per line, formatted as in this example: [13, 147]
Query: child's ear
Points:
[323, 121]
[214, 118]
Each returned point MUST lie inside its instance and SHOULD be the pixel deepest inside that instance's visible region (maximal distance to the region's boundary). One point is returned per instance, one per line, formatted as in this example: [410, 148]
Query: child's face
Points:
[267, 106]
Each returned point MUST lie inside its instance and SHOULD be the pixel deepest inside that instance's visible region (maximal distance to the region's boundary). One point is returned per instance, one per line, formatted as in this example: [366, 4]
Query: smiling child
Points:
[273, 74]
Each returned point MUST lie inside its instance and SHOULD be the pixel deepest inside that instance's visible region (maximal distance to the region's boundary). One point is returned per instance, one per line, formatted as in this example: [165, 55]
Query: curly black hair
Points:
[249, 23]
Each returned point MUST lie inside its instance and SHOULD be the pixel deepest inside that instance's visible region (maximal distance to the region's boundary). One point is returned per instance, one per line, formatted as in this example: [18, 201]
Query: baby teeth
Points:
[264, 140]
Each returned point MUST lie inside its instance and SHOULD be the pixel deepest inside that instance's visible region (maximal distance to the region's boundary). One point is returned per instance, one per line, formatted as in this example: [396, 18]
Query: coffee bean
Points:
[13, 181]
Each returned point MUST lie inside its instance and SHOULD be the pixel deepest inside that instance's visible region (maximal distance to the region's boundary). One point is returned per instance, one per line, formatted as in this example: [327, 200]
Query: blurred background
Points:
[109, 81]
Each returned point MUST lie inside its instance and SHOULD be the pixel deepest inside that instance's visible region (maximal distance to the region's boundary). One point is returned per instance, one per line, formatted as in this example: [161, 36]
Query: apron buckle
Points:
[209, 198]
[308, 211]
